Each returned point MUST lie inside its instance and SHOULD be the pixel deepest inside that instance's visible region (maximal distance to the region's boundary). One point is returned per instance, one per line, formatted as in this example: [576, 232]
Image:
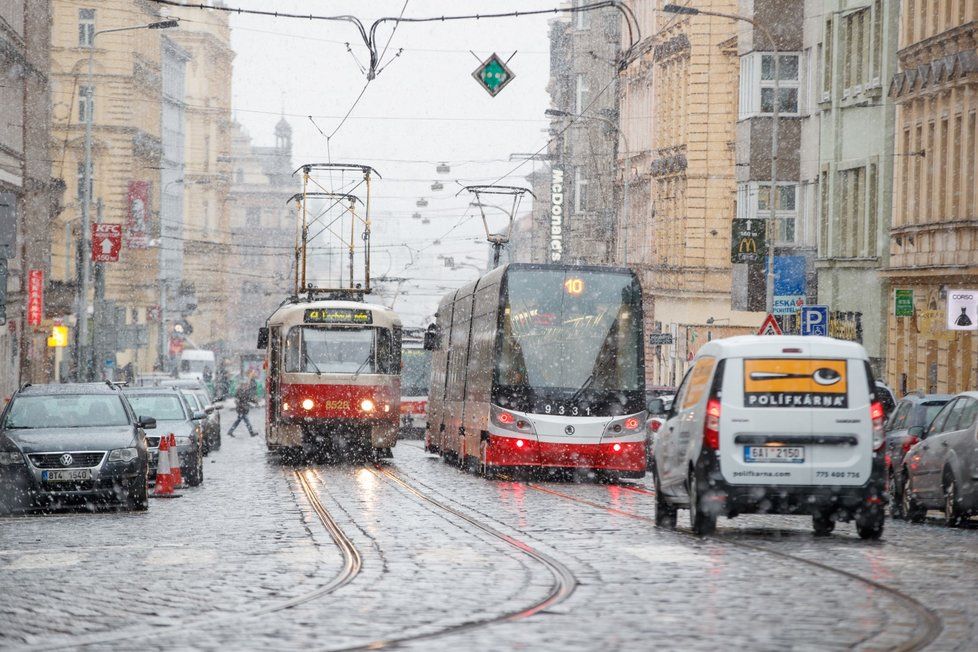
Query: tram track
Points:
[563, 585]
[929, 623]
[352, 564]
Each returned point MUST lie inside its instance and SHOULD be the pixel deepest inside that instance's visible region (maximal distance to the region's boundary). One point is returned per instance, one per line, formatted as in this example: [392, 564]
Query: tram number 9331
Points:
[572, 411]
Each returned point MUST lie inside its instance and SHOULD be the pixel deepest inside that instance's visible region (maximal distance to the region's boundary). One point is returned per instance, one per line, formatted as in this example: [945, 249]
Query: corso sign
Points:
[962, 310]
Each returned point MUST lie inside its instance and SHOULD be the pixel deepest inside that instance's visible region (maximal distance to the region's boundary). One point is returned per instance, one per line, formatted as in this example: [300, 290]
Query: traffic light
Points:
[183, 327]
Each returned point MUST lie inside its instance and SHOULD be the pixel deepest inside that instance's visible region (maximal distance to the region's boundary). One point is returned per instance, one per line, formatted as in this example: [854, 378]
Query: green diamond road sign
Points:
[493, 75]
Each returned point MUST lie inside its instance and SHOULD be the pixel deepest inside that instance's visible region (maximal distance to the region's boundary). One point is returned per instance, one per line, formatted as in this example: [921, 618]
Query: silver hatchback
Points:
[941, 470]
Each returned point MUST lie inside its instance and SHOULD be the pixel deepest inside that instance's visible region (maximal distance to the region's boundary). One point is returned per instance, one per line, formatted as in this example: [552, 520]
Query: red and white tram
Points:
[540, 366]
[333, 376]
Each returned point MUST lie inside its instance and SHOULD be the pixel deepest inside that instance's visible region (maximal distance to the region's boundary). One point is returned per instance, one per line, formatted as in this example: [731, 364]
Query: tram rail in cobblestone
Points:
[929, 624]
[563, 586]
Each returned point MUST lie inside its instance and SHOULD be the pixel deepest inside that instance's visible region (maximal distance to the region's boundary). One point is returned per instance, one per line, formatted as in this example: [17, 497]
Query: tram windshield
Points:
[316, 349]
[570, 341]
[416, 372]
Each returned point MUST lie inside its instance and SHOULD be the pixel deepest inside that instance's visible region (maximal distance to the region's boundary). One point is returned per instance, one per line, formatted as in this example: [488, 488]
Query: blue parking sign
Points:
[815, 320]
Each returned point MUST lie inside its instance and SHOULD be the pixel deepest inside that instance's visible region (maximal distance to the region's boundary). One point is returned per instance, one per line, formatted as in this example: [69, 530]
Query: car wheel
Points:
[822, 525]
[216, 445]
[665, 514]
[870, 526]
[912, 510]
[137, 498]
[195, 474]
[952, 515]
[896, 497]
[703, 522]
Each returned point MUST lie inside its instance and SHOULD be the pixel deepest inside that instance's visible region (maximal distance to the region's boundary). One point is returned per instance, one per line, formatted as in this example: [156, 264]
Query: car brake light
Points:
[711, 425]
[876, 414]
[506, 417]
[655, 425]
[909, 443]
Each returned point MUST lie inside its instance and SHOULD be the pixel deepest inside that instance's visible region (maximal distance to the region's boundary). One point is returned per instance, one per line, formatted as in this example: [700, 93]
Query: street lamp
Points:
[771, 224]
[557, 113]
[84, 370]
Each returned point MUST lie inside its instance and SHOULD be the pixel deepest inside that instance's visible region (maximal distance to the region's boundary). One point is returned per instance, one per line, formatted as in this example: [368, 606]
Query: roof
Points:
[743, 346]
[914, 397]
[68, 388]
[150, 390]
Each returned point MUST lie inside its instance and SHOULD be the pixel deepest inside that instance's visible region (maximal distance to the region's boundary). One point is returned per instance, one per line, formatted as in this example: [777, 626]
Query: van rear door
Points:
[761, 439]
[842, 452]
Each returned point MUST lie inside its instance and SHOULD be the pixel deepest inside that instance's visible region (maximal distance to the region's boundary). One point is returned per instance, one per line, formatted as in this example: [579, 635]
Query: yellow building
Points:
[126, 149]
[934, 235]
[684, 249]
[206, 174]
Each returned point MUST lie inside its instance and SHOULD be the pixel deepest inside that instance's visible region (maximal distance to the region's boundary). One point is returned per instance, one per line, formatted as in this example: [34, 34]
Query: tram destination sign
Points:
[337, 316]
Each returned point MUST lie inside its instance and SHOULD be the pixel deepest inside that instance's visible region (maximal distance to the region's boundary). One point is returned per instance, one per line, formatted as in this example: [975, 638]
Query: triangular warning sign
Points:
[770, 327]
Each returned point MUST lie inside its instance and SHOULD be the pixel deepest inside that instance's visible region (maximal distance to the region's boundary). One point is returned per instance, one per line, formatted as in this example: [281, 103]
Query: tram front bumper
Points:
[619, 456]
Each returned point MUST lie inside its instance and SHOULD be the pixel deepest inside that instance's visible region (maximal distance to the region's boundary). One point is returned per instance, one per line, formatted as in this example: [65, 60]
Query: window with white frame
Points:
[86, 27]
[753, 200]
[580, 93]
[86, 103]
[757, 81]
[580, 190]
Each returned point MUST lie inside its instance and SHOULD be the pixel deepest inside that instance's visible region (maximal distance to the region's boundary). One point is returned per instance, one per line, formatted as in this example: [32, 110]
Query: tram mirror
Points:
[263, 337]
[431, 338]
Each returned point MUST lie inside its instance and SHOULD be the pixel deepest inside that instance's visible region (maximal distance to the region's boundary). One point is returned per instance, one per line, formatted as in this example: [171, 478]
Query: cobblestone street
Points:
[438, 559]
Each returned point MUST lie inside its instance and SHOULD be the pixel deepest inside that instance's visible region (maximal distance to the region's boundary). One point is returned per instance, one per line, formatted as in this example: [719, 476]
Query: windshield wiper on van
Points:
[362, 365]
[582, 388]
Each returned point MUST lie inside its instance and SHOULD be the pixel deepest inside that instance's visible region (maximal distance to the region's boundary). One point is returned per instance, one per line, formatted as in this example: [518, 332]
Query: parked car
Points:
[199, 400]
[657, 409]
[940, 470]
[172, 416]
[783, 425]
[915, 410]
[70, 444]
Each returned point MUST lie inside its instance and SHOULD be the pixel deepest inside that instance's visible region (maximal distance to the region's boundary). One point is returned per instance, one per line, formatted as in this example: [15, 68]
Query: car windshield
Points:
[66, 411]
[162, 407]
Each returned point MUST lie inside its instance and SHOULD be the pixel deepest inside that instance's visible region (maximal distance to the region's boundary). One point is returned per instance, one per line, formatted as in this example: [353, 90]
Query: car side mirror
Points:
[657, 406]
[263, 337]
[209, 409]
[198, 415]
[218, 405]
[146, 423]
[917, 431]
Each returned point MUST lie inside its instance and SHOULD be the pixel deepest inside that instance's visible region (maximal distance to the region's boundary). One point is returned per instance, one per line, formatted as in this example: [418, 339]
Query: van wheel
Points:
[665, 514]
[822, 525]
[896, 497]
[912, 510]
[952, 515]
[703, 522]
[870, 526]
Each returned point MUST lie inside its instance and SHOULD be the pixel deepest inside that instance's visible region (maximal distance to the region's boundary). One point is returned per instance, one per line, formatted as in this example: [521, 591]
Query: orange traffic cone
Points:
[164, 480]
[175, 463]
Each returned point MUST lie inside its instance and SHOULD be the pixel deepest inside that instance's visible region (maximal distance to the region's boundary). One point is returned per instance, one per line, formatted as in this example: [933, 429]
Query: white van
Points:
[777, 425]
[193, 362]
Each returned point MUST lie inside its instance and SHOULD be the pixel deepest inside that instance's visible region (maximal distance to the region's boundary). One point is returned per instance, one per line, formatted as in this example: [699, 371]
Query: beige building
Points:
[686, 86]
[206, 173]
[934, 234]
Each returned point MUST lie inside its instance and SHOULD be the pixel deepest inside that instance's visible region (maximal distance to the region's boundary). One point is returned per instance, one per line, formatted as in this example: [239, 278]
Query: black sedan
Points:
[71, 444]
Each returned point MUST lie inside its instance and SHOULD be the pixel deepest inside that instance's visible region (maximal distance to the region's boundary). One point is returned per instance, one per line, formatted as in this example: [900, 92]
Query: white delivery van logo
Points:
[795, 383]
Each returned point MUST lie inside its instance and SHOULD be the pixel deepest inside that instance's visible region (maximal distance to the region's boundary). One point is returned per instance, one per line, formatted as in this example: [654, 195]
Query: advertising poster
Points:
[137, 215]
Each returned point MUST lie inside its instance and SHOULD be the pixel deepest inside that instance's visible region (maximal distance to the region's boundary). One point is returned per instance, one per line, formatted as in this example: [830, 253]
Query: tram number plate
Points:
[782, 454]
[67, 475]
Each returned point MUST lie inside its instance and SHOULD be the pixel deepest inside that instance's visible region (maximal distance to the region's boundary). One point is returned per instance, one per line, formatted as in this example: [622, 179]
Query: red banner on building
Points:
[137, 217]
[35, 297]
[106, 242]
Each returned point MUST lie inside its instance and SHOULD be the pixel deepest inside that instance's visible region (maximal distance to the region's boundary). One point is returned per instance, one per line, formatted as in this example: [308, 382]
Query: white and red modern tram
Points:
[540, 366]
[333, 375]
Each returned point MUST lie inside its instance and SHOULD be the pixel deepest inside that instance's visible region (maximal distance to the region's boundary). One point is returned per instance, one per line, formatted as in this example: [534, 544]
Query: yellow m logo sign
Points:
[747, 246]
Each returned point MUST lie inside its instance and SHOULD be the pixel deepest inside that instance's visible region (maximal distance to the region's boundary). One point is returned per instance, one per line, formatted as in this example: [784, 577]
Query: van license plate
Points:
[782, 454]
[67, 475]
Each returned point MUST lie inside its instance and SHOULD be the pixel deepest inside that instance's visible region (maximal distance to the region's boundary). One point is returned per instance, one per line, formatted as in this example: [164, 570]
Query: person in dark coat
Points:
[244, 397]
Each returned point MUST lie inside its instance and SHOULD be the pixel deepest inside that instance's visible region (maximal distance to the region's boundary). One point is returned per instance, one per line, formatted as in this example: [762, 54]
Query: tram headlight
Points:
[367, 405]
[285, 407]
[307, 404]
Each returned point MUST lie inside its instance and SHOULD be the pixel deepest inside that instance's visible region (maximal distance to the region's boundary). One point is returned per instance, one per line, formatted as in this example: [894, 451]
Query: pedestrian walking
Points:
[244, 397]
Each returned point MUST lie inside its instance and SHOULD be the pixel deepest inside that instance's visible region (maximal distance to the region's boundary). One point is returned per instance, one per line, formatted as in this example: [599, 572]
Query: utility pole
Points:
[83, 371]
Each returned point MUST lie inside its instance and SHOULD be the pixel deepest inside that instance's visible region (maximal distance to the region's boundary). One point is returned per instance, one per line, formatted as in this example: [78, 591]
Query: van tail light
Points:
[655, 425]
[711, 425]
[876, 413]
[909, 443]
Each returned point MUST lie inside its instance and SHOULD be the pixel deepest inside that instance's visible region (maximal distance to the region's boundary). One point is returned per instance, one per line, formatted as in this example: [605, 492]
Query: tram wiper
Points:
[582, 388]
[305, 354]
[362, 365]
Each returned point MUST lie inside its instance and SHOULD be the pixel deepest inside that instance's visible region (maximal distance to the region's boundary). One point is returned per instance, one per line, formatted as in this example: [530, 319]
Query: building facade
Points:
[29, 196]
[934, 231]
[263, 234]
[855, 47]
[583, 155]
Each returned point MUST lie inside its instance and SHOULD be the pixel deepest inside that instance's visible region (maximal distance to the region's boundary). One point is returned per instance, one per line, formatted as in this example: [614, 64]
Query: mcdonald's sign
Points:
[747, 242]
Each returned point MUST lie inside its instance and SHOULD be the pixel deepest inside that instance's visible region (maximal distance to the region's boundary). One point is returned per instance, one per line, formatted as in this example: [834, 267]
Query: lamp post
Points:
[84, 364]
[557, 113]
[770, 223]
